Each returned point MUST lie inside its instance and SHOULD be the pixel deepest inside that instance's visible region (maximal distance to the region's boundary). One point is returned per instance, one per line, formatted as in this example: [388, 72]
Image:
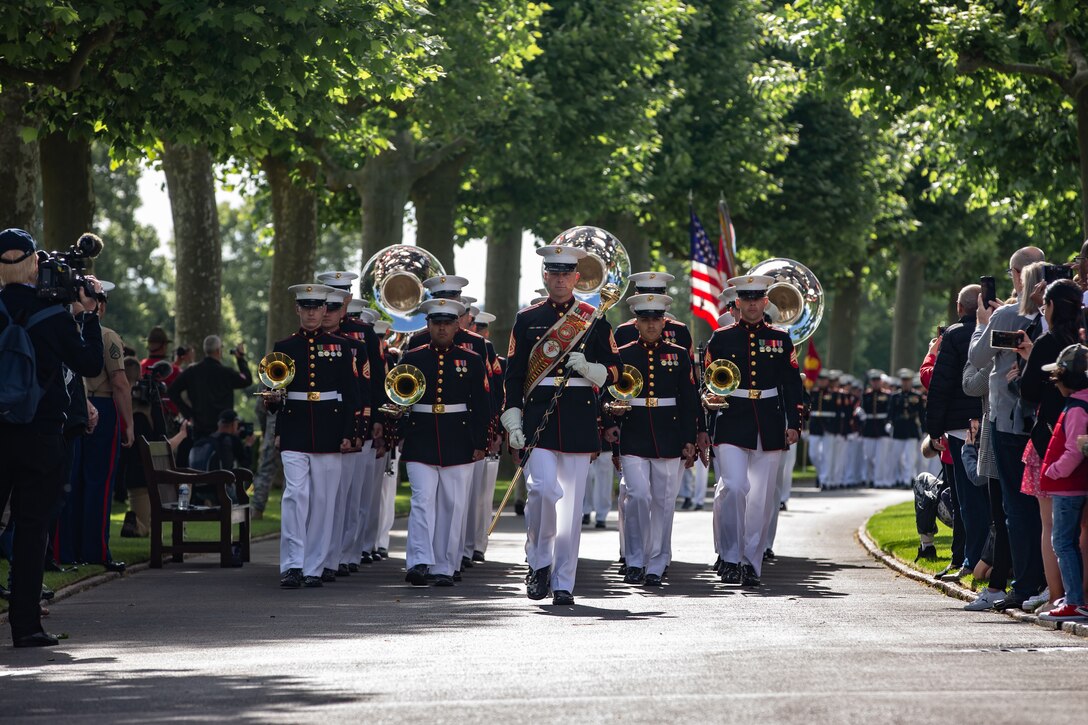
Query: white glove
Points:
[593, 372]
[511, 419]
[517, 439]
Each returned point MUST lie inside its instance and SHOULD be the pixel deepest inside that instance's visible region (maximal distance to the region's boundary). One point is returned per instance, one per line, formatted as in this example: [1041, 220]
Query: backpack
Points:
[204, 455]
[20, 391]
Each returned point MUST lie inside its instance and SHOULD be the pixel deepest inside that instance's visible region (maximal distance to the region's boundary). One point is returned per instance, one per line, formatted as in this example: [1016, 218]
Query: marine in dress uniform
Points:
[389, 462]
[656, 435]
[359, 507]
[315, 424]
[751, 435]
[342, 552]
[873, 415]
[906, 413]
[444, 434]
[821, 420]
[543, 346]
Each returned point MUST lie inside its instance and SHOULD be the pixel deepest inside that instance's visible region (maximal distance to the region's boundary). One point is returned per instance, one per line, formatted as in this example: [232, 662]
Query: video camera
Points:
[245, 429]
[151, 389]
[60, 274]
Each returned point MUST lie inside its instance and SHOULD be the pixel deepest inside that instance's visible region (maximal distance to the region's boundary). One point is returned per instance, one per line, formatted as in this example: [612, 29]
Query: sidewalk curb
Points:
[1078, 629]
[98, 579]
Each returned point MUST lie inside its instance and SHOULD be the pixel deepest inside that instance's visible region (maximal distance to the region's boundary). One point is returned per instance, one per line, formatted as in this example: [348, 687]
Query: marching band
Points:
[357, 393]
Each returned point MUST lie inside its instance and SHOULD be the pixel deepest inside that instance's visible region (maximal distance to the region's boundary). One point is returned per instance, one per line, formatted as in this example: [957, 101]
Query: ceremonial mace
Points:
[610, 295]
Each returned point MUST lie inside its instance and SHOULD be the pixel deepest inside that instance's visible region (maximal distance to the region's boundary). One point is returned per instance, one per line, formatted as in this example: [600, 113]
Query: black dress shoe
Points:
[343, 570]
[634, 575]
[376, 556]
[540, 584]
[38, 639]
[928, 553]
[768, 555]
[328, 575]
[117, 566]
[443, 580]
[665, 572]
[730, 573]
[686, 506]
[749, 578]
[652, 580]
[782, 506]
[478, 557]
[312, 582]
[292, 579]
[466, 563]
[519, 508]
[417, 575]
[529, 576]
[623, 566]
[457, 575]
[718, 564]
[562, 597]
[384, 552]
[353, 567]
[365, 558]
[585, 519]
[944, 571]
[1012, 601]
[599, 525]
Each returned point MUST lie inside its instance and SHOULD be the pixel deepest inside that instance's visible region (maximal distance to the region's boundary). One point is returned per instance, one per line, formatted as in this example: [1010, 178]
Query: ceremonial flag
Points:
[812, 364]
[707, 281]
[727, 243]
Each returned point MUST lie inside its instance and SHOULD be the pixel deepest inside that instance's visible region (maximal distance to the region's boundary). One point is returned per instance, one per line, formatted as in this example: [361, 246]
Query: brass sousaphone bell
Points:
[404, 386]
[624, 390]
[394, 277]
[276, 370]
[720, 379]
[797, 295]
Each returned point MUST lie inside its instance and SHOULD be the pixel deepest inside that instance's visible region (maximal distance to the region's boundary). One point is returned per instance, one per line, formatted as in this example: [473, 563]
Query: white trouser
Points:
[475, 497]
[855, 459]
[748, 480]
[783, 484]
[344, 493]
[819, 449]
[621, 496]
[698, 482]
[388, 499]
[372, 504]
[646, 510]
[306, 512]
[835, 447]
[668, 515]
[879, 466]
[363, 472]
[485, 507]
[716, 508]
[598, 498]
[434, 522]
[903, 453]
[553, 513]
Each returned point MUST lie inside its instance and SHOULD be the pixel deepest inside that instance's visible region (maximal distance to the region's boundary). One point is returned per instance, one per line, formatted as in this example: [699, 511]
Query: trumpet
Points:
[404, 385]
[627, 387]
[721, 378]
[276, 370]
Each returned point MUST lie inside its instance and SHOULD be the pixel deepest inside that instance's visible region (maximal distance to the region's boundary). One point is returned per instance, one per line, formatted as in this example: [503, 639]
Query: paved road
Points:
[832, 637]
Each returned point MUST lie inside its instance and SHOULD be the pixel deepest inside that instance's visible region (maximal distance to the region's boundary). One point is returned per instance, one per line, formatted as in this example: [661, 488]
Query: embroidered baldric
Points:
[557, 342]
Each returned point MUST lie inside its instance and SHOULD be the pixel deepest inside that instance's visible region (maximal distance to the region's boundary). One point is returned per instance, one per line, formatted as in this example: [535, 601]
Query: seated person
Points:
[223, 449]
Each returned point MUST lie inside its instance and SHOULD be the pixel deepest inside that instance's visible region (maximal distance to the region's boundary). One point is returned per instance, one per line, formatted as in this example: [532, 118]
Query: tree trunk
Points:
[67, 189]
[384, 185]
[626, 228]
[435, 197]
[503, 277]
[199, 253]
[845, 306]
[19, 160]
[1081, 102]
[294, 219]
[908, 308]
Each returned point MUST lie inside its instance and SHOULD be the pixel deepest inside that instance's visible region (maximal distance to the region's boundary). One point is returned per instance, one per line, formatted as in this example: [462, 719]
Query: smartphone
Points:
[1054, 272]
[1008, 340]
[940, 330]
[989, 289]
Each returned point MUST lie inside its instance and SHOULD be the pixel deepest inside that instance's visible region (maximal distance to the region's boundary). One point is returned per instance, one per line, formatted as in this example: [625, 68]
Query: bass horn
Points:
[796, 293]
[606, 262]
[393, 279]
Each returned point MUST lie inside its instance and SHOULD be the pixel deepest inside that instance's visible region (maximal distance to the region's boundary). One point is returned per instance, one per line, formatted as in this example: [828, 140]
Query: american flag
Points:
[707, 274]
[727, 244]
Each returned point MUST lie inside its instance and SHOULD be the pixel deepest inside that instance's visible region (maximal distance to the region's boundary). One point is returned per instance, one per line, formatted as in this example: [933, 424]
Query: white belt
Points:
[313, 396]
[440, 408]
[822, 414]
[652, 402]
[755, 394]
[571, 382]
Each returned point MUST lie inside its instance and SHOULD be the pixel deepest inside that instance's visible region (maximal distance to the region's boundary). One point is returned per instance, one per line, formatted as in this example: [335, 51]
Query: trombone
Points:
[404, 386]
[624, 390]
[720, 379]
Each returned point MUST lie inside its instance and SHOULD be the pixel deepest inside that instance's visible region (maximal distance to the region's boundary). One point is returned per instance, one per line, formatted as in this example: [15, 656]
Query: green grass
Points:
[894, 532]
[135, 551]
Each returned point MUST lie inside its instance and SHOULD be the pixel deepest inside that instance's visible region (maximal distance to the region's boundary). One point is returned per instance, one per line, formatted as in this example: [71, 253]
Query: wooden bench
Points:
[159, 470]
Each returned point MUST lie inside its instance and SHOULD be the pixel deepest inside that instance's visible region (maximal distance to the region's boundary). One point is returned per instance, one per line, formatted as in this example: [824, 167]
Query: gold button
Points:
[651, 367]
[439, 390]
[311, 375]
[651, 375]
[312, 357]
[312, 366]
[313, 384]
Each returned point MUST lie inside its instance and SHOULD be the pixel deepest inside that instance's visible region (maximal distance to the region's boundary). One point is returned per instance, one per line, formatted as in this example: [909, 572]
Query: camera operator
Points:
[84, 531]
[34, 453]
[206, 389]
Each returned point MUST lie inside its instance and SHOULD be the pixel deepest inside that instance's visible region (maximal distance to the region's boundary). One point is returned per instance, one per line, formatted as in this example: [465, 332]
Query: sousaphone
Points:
[606, 262]
[796, 293]
[393, 279]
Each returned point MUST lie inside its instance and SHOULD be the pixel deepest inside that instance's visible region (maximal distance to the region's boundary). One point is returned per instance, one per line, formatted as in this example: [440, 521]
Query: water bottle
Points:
[183, 497]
